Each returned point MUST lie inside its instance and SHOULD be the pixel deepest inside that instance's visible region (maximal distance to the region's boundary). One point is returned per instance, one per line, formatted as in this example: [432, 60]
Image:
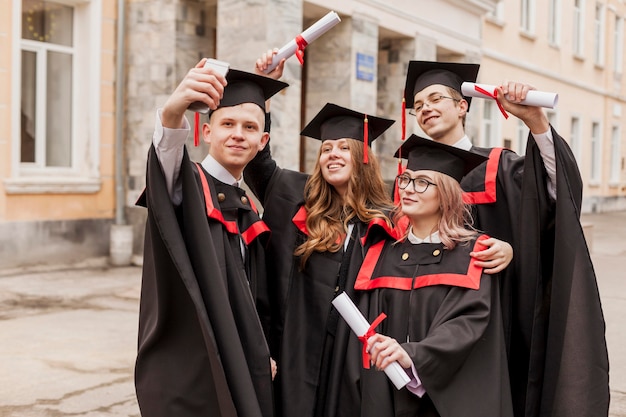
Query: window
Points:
[579, 26]
[598, 35]
[527, 16]
[575, 137]
[618, 45]
[522, 137]
[57, 55]
[490, 124]
[596, 147]
[616, 156]
[47, 63]
[554, 22]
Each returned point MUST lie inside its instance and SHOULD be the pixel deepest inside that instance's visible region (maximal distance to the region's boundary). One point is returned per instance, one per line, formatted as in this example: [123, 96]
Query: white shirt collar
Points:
[216, 170]
[434, 238]
[464, 143]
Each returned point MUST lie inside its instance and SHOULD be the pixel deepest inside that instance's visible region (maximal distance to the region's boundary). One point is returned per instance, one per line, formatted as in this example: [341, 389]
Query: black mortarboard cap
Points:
[336, 122]
[246, 87]
[426, 154]
[421, 74]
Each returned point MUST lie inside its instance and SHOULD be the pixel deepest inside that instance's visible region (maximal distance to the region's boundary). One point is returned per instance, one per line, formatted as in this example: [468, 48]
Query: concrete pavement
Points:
[68, 336]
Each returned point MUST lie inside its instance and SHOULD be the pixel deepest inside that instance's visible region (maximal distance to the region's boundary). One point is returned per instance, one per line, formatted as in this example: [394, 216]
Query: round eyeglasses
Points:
[420, 185]
[431, 101]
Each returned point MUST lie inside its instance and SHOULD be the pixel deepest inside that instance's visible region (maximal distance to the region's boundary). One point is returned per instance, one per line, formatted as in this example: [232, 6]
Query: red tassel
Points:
[403, 118]
[396, 190]
[196, 129]
[365, 140]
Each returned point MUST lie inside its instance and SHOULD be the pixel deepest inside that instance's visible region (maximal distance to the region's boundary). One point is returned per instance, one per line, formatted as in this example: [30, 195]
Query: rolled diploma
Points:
[316, 30]
[359, 325]
[533, 97]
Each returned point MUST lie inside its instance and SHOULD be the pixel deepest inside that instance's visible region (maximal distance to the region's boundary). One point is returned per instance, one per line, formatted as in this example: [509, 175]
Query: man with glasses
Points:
[551, 307]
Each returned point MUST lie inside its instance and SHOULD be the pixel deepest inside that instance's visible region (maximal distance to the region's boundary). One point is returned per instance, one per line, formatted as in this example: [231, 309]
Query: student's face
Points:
[236, 136]
[336, 163]
[439, 119]
[420, 206]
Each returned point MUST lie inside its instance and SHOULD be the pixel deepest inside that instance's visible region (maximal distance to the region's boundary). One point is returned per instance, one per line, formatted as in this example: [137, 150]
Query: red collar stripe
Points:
[471, 279]
[299, 220]
[211, 211]
[254, 231]
[489, 194]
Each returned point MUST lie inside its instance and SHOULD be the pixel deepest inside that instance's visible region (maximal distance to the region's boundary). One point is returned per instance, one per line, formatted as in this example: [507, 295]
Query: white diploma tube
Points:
[315, 31]
[359, 326]
[533, 98]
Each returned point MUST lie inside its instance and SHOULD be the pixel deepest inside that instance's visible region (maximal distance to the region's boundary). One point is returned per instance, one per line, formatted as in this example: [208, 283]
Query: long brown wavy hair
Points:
[455, 216]
[328, 214]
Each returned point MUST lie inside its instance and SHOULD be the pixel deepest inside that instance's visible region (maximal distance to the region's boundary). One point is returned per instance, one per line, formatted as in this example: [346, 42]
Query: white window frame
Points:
[554, 23]
[596, 153]
[599, 33]
[83, 176]
[576, 136]
[527, 16]
[616, 155]
[578, 22]
[522, 137]
[490, 129]
[618, 45]
[497, 15]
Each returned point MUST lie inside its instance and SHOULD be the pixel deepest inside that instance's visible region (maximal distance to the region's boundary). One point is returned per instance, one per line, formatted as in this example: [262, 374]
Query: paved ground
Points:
[68, 336]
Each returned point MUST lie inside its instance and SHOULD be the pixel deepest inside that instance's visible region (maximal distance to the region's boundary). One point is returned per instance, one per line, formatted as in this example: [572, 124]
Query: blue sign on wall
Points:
[364, 67]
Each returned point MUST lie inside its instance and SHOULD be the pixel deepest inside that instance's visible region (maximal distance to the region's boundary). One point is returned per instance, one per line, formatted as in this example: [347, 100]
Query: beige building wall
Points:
[593, 92]
[58, 219]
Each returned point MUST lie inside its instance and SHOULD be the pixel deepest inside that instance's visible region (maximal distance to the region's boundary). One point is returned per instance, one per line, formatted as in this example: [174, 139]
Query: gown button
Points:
[436, 252]
[405, 256]
[221, 197]
[244, 199]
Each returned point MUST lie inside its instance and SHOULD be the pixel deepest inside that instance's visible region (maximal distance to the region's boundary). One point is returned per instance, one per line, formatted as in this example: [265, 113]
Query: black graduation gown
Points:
[551, 306]
[445, 313]
[308, 337]
[202, 350]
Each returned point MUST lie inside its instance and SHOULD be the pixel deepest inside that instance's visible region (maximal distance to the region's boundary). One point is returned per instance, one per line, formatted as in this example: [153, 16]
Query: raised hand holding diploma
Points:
[361, 328]
[296, 46]
[533, 97]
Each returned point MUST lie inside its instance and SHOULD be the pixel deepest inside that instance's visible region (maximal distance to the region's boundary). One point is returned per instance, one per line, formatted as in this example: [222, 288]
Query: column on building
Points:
[164, 40]
[342, 69]
[246, 29]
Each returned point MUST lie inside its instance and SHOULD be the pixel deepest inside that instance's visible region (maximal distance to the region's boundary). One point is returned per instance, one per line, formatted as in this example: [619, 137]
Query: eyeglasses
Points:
[420, 185]
[430, 102]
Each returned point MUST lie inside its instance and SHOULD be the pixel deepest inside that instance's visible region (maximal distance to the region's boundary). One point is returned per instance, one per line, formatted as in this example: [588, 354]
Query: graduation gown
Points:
[554, 323]
[308, 337]
[446, 314]
[202, 349]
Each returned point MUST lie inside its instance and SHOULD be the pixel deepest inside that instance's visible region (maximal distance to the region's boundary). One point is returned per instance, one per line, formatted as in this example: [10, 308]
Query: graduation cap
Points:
[426, 154]
[421, 74]
[245, 87]
[336, 122]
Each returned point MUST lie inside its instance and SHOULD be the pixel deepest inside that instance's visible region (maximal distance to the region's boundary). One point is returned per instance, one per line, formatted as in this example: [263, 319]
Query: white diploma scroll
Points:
[359, 325]
[315, 31]
[533, 97]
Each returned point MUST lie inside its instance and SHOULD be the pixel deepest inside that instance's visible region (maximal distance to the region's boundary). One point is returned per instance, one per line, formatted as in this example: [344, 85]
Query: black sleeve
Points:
[258, 172]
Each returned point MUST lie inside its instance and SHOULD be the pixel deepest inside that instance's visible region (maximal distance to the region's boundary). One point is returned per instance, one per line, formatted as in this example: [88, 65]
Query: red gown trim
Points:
[489, 194]
[364, 280]
[212, 212]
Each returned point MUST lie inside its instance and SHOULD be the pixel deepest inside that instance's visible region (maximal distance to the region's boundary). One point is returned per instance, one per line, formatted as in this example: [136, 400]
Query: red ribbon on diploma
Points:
[300, 51]
[369, 333]
[493, 96]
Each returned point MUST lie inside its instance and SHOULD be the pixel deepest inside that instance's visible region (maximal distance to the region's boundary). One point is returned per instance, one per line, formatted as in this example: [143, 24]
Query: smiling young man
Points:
[204, 309]
[551, 307]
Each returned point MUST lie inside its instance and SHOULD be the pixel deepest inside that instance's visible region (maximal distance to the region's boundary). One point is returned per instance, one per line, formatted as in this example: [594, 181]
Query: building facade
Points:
[81, 82]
